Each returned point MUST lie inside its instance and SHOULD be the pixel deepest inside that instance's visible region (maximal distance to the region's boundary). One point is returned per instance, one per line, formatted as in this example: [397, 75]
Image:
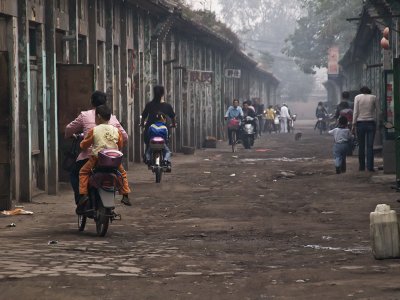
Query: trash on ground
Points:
[17, 211]
[233, 175]
[207, 172]
[11, 225]
[235, 156]
[52, 243]
[263, 150]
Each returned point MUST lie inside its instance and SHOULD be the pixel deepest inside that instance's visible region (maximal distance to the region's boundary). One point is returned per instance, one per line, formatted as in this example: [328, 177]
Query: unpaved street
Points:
[274, 222]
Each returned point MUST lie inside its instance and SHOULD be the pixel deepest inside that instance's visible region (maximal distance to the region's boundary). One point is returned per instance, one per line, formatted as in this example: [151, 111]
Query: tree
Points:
[323, 26]
[263, 26]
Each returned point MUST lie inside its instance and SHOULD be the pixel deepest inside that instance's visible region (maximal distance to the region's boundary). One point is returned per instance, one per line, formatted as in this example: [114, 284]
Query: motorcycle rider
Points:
[152, 108]
[249, 112]
[159, 129]
[102, 136]
[233, 112]
[321, 112]
[83, 123]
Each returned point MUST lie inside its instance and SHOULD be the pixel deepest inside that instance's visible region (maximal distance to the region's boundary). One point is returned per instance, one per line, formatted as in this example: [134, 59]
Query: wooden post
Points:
[92, 35]
[25, 155]
[73, 32]
[109, 17]
[51, 83]
[124, 77]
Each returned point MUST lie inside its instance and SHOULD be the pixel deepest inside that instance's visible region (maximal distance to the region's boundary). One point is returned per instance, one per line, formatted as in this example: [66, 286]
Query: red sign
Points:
[333, 61]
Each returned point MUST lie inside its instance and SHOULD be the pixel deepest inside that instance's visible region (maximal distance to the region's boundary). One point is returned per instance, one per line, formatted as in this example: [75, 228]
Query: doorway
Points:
[5, 133]
[75, 87]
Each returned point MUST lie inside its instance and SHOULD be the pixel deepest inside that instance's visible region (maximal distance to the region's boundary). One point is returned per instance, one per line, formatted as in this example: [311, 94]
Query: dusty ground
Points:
[221, 226]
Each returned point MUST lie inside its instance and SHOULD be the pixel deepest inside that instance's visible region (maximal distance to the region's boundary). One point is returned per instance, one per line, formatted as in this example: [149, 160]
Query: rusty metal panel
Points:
[5, 133]
[8, 7]
[75, 86]
[3, 34]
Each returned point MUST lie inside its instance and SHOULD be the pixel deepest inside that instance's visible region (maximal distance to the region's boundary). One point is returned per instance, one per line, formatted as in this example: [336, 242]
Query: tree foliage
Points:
[323, 26]
[263, 26]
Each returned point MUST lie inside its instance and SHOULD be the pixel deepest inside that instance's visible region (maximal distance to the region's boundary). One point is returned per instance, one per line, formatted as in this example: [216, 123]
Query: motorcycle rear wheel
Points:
[102, 221]
[158, 172]
[82, 222]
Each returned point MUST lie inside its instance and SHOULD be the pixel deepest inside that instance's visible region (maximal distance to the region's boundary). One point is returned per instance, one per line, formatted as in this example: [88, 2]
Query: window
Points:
[82, 55]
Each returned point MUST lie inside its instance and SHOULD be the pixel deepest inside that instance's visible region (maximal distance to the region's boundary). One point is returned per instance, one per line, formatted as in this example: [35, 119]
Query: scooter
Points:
[104, 182]
[156, 164]
[247, 132]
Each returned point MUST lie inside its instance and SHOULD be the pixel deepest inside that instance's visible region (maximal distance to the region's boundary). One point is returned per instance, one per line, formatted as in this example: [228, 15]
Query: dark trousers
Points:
[366, 135]
[74, 177]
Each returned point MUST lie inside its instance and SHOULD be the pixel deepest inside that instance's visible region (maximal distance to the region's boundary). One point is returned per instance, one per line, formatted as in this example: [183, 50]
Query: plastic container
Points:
[384, 231]
[109, 158]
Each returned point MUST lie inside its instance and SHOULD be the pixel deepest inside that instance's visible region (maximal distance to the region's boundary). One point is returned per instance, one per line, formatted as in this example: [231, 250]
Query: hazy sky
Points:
[207, 4]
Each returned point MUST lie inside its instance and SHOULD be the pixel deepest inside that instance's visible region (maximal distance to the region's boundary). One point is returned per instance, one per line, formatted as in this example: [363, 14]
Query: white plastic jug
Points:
[384, 231]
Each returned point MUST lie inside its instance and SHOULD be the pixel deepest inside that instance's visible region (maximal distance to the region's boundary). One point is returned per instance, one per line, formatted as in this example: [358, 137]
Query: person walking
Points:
[270, 118]
[342, 138]
[365, 119]
[285, 116]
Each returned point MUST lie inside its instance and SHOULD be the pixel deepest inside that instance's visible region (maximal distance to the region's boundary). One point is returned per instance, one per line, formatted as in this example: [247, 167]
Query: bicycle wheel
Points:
[234, 141]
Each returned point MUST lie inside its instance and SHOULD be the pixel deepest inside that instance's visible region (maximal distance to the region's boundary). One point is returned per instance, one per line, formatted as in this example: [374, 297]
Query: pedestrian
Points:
[365, 118]
[285, 117]
[270, 118]
[232, 115]
[342, 137]
[82, 124]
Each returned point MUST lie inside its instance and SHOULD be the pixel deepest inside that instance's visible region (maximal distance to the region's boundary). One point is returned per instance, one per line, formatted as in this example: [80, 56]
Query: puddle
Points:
[356, 250]
[283, 159]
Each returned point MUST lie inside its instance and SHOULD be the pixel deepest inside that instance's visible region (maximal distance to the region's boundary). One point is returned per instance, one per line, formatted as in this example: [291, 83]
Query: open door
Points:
[75, 86]
[5, 133]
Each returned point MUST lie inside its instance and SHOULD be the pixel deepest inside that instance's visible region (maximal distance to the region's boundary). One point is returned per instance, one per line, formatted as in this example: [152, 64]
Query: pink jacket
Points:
[86, 121]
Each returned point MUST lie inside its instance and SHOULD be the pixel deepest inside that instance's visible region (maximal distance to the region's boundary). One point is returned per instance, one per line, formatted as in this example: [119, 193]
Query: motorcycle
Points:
[247, 134]
[105, 180]
[156, 164]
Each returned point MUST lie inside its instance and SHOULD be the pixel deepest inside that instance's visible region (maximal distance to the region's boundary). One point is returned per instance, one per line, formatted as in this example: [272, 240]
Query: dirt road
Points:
[274, 222]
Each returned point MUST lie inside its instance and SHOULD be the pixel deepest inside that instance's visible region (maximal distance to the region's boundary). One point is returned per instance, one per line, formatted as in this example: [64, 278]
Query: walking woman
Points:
[365, 119]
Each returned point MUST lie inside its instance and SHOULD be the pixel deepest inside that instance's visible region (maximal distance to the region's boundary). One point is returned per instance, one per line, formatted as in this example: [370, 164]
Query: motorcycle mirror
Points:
[388, 125]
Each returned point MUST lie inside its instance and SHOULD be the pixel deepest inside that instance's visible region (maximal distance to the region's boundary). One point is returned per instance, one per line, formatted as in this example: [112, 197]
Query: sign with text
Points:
[233, 73]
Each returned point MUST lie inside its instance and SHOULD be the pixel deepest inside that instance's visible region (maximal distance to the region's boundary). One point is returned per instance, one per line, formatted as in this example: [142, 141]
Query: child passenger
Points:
[103, 136]
[159, 129]
[342, 137]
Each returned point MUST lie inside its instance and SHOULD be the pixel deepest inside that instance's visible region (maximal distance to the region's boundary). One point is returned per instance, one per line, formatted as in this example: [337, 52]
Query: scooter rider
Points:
[152, 109]
[83, 123]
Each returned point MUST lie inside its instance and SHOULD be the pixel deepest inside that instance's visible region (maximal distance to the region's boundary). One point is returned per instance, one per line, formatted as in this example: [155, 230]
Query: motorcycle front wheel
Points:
[81, 222]
[102, 221]
[234, 141]
[247, 142]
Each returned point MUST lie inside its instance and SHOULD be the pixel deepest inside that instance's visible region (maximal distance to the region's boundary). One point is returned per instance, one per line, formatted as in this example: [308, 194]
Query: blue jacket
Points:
[158, 129]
